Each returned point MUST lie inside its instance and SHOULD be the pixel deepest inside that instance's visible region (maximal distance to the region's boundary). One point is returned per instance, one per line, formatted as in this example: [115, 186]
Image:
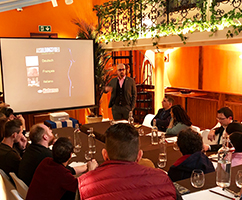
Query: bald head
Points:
[40, 134]
[121, 70]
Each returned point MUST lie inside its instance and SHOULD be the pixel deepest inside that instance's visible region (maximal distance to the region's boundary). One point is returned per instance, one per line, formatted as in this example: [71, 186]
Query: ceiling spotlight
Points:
[68, 2]
[19, 9]
[54, 3]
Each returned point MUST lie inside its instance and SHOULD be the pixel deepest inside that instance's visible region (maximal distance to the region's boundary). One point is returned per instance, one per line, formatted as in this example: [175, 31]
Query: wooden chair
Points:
[21, 187]
[16, 195]
[147, 120]
[5, 187]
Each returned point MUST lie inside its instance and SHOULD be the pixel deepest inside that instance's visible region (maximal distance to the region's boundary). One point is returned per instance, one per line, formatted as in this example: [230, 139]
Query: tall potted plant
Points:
[103, 73]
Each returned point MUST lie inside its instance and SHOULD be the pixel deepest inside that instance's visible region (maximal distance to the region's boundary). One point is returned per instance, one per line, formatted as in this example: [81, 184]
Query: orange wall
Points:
[182, 68]
[223, 68]
[20, 24]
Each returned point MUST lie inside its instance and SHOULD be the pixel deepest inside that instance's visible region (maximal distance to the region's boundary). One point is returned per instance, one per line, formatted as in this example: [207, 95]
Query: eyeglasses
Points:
[220, 119]
[121, 69]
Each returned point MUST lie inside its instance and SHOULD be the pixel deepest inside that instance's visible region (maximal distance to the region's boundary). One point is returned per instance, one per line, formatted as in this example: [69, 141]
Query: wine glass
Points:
[238, 179]
[141, 132]
[197, 178]
[162, 160]
[88, 155]
[175, 146]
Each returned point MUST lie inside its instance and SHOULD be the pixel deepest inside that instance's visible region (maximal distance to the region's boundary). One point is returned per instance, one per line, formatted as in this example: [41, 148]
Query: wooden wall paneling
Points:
[236, 108]
[179, 100]
[200, 68]
[202, 111]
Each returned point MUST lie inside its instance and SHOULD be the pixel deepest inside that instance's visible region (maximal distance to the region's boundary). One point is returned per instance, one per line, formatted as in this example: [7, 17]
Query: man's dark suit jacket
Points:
[162, 121]
[129, 92]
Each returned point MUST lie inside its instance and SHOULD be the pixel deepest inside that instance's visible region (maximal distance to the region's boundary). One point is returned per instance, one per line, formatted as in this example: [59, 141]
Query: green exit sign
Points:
[44, 28]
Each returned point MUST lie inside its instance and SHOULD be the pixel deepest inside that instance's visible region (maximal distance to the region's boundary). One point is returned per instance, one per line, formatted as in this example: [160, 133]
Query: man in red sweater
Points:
[120, 176]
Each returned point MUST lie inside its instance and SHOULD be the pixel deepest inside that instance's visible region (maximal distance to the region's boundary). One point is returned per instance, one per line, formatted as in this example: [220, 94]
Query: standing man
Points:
[163, 116]
[123, 94]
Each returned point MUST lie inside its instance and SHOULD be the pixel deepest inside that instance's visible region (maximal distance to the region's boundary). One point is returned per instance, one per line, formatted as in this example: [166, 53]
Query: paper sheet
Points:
[205, 194]
[119, 121]
[76, 164]
[171, 139]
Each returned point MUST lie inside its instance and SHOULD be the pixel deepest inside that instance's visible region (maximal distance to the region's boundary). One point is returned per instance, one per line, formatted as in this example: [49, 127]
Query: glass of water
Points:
[197, 178]
[141, 132]
[162, 160]
[175, 146]
[238, 179]
[88, 155]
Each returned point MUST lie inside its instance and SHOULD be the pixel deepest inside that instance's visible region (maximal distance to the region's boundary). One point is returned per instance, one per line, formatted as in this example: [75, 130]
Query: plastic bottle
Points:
[77, 139]
[91, 141]
[154, 133]
[131, 119]
[162, 154]
[223, 171]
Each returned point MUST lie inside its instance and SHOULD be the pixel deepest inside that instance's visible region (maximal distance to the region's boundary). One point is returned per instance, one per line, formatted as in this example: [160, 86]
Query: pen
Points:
[221, 195]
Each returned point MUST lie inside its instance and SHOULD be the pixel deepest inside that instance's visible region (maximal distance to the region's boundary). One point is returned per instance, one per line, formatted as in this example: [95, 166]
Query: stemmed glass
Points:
[197, 178]
[238, 179]
[175, 146]
[162, 160]
[88, 155]
[141, 132]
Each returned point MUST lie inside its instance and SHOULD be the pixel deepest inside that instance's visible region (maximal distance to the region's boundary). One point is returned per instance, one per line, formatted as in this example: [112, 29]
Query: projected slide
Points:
[49, 73]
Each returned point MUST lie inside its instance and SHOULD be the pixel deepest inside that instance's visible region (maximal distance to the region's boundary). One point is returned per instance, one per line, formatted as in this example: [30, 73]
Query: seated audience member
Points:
[120, 176]
[232, 127]
[190, 144]
[51, 179]
[9, 158]
[179, 120]
[3, 120]
[224, 117]
[21, 145]
[41, 137]
[163, 116]
[236, 140]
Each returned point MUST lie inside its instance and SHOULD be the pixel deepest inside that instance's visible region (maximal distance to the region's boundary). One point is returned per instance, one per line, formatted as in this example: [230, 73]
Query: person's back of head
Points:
[36, 133]
[236, 140]
[189, 141]
[3, 120]
[170, 99]
[62, 150]
[234, 127]
[12, 127]
[226, 111]
[8, 112]
[180, 115]
[122, 142]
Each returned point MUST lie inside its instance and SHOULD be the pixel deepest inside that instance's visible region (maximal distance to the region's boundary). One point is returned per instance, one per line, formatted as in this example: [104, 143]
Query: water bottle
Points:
[223, 171]
[77, 139]
[154, 133]
[91, 141]
[131, 119]
[162, 154]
